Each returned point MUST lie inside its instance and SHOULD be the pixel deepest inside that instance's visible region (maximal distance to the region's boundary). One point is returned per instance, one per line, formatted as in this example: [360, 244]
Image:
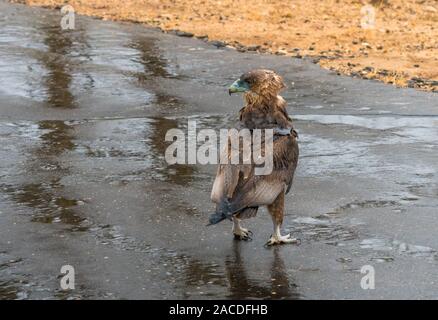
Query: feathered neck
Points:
[255, 100]
[262, 112]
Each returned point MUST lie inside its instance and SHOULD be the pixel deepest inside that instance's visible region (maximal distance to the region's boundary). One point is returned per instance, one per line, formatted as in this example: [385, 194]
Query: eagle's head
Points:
[260, 82]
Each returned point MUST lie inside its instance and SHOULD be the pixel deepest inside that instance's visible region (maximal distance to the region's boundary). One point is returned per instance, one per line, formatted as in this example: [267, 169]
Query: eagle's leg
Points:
[276, 209]
[239, 232]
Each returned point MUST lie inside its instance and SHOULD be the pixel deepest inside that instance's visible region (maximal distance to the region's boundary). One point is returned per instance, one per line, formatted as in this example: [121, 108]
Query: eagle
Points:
[238, 191]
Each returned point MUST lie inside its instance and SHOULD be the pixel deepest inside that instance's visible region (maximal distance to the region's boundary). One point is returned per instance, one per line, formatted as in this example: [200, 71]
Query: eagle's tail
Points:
[223, 212]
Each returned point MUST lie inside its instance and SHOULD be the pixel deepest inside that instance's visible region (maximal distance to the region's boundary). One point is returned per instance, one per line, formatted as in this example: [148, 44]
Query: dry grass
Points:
[401, 49]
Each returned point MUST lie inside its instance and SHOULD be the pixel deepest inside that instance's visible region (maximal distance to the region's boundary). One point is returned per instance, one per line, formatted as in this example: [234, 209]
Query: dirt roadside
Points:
[393, 41]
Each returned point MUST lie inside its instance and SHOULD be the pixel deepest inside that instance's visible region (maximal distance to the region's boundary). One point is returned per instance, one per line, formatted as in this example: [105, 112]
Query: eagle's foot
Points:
[239, 232]
[242, 234]
[278, 239]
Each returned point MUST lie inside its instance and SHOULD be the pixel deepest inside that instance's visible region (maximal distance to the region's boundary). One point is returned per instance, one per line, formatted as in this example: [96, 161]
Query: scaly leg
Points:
[276, 209]
[239, 232]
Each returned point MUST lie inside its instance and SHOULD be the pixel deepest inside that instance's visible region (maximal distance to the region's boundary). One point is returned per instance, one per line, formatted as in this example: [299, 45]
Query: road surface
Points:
[83, 181]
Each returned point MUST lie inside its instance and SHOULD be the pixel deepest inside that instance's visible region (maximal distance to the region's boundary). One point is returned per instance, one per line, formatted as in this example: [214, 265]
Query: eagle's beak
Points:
[238, 86]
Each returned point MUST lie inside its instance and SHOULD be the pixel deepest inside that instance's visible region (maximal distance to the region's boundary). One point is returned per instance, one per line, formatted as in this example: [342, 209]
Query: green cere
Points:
[238, 86]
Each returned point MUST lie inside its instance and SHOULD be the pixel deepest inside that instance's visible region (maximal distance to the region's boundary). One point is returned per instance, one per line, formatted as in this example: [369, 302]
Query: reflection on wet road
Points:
[83, 180]
[241, 286]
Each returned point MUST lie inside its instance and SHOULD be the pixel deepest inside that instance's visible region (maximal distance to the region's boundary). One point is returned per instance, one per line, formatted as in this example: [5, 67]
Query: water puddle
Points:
[380, 244]
[195, 278]
[412, 128]
[324, 156]
[365, 204]
[46, 205]
[68, 69]
[12, 290]
[425, 190]
[324, 229]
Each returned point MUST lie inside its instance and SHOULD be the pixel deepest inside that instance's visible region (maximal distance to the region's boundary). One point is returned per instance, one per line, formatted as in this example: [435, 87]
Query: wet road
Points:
[83, 181]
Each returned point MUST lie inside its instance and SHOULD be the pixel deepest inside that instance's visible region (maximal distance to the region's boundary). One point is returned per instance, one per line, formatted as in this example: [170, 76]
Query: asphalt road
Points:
[83, 181]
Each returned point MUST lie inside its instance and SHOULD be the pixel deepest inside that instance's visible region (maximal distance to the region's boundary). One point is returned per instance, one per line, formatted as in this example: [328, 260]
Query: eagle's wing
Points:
[237, 188]
[294, 161]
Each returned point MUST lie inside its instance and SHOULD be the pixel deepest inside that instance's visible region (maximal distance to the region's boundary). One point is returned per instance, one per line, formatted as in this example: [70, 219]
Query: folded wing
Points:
[238, 190]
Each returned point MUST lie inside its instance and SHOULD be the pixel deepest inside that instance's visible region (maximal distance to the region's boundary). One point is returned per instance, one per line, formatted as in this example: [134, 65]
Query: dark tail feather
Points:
[216, 218]
[222, 212]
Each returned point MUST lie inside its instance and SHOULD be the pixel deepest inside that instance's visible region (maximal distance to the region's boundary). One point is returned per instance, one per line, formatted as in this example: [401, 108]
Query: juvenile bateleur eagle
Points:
[237, 190]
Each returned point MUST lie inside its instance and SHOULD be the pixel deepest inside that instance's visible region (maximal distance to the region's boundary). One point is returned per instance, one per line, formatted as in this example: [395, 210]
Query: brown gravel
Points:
[402, 48]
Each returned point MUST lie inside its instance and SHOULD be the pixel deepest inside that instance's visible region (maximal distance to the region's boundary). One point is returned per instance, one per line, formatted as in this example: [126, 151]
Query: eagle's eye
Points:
[249, 80]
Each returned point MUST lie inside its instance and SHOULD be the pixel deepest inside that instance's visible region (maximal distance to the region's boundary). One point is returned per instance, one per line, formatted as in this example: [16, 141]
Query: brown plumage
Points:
[238, 191]
[264, 108]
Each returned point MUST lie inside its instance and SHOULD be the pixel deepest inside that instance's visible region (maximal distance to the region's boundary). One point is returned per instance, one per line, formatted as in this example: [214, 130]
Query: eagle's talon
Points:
[242, 234]
[242, 237]
[287, 239]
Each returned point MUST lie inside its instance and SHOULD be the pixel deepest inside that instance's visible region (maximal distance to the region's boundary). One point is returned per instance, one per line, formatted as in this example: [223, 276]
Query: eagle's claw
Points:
[242, 234]
[282, 240]
[241, 237]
